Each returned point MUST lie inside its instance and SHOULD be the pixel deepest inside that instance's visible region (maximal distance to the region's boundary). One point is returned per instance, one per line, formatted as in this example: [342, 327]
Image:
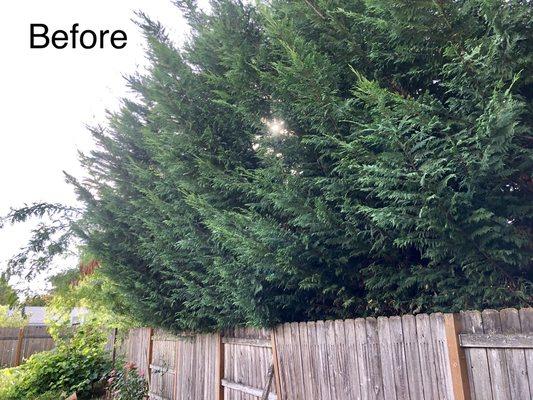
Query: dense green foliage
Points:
[320, 159]
[78, 364]
[98, 294]
[12, 317]
[8, 295]
[127, 384]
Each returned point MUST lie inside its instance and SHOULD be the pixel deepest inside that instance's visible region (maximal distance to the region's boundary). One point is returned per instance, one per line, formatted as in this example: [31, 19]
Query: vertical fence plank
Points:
[219, 368]
[516, 360]
[305, 351]
[526, 321]
[292, 383]
[299, 376]
[325, 385]
[275, 363]
[412, 358]
[440, 352]
[256, 368]
[177, 370]
[427, 361]
[331, 357]
[256, 373]
[362, 356]
[314, 361]
[191, 363]
[387, 365]
[285, 382]
[197, 353]
[496, 357]
[376, 384]
[237, 368]
[228, 367]
[477, 359]
[149, 342]
[398, 358]
[352, 366]
[341, 348]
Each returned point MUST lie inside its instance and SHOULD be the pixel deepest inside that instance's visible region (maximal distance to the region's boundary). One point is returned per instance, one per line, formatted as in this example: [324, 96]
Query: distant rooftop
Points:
[37, 315]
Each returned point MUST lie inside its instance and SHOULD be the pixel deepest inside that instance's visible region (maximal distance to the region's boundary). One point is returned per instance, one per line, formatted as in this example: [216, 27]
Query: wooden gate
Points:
[499, 353]
[247, 368]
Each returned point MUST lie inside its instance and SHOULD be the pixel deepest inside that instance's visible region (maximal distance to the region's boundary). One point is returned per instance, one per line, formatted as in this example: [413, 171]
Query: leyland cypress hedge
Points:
[315, 159]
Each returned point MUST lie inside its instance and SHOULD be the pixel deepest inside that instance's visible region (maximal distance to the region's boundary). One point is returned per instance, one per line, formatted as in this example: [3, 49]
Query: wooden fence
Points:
[471, 355]
[16, 344]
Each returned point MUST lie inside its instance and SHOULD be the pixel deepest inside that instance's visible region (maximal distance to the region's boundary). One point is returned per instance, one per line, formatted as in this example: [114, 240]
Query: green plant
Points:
[8, 295]
[127, 384]
[12, 317]
[8, 380]
[78, 364]
[95, 292]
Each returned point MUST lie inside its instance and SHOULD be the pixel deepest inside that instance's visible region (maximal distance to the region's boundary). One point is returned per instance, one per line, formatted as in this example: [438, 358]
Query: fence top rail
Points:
[497, 340]
[26, 337]
[247, 342]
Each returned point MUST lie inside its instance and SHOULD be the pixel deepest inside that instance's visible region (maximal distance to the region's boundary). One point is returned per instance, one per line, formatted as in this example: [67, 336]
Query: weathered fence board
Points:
[353, 384]
[399, 361]
[526, 321]
[479, 375]
[497, 340]
[412, 357]
[440, 347]
[499, 353]
[496, 357]
[427, 360]
[386, 353]
[18, 344]
[516, 361]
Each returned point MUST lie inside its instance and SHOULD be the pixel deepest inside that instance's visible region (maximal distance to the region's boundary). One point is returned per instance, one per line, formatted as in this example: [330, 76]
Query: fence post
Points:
[275, 364]
[457, 358]
[114, 352]
[219, 368]
[18, 351]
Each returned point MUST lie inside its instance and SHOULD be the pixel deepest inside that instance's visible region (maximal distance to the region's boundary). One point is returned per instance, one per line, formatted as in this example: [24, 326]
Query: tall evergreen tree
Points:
[320, 159]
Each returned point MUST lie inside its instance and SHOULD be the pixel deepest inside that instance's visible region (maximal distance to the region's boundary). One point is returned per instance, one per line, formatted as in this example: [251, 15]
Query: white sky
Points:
[48, 95]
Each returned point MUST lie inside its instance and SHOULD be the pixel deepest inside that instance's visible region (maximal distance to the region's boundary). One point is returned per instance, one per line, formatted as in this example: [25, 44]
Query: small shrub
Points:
[78, 364]
[8, 379]
[127, 384]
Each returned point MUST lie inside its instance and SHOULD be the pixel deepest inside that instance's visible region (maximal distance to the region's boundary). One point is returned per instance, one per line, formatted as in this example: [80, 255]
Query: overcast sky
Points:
[49, 95]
